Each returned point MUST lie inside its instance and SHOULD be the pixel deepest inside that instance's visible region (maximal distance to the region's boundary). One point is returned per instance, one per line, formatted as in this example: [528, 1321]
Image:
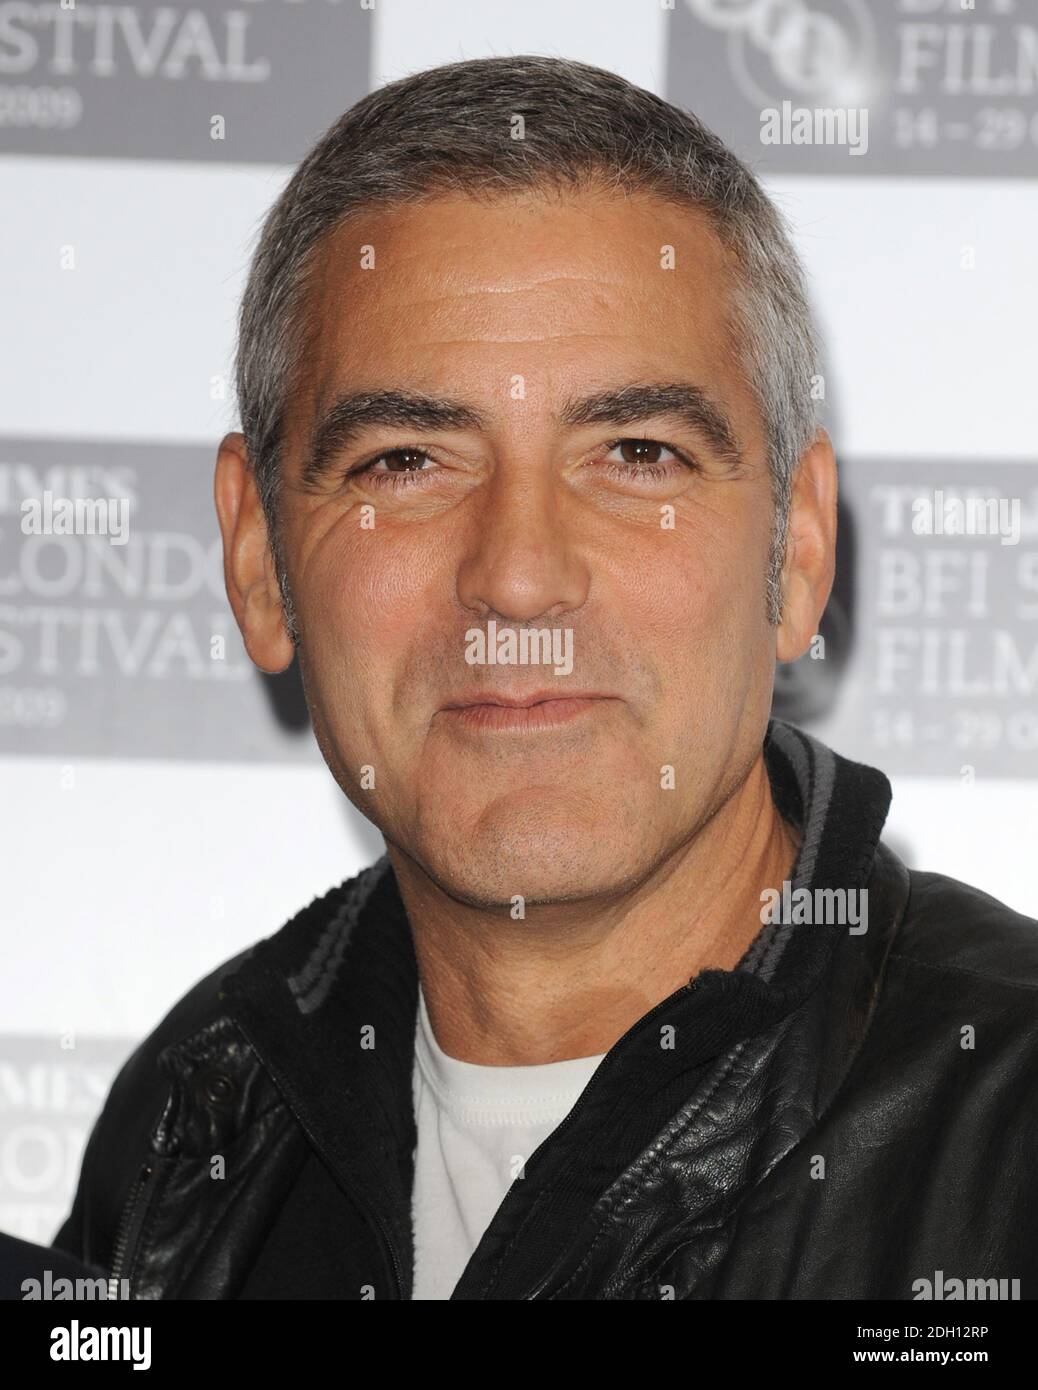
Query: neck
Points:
[572, 978]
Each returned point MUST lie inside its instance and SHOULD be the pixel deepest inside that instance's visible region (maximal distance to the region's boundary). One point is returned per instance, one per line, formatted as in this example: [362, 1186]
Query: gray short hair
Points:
[450, 130]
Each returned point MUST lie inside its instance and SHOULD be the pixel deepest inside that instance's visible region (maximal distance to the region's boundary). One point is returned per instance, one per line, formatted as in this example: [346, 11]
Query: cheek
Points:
[366, 588]
[697, 585]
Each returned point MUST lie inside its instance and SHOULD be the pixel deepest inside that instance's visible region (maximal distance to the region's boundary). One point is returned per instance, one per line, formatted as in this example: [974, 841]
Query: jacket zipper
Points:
[130, 1226]
[356, 1195]
[570, 1118]
[388, 1248]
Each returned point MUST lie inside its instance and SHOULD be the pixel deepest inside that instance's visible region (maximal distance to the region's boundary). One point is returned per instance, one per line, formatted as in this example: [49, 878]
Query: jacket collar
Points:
[329, 1006]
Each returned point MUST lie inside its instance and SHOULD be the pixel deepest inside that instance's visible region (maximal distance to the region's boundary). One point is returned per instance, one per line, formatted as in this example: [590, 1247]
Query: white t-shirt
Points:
[476, 1126]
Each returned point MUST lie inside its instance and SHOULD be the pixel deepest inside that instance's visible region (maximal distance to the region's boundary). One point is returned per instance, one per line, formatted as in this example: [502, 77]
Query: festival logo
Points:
[942, 87]
[256, 80]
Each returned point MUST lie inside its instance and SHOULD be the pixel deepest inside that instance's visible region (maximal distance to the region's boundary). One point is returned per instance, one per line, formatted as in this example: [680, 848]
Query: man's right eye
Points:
[404, 464]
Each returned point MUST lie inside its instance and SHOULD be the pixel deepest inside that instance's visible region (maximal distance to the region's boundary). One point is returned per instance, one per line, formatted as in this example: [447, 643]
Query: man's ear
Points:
[248, 566]
[810, 564]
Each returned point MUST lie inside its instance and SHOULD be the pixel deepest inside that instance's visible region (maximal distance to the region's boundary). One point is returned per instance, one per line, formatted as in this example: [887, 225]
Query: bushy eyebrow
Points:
[629, 405]
[351, 414]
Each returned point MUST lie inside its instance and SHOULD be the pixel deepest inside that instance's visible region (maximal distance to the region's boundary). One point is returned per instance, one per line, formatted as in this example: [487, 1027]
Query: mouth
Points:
[543, 710]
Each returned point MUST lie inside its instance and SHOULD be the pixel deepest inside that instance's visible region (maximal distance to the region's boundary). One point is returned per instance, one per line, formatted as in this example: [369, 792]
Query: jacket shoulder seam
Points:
[989, 977]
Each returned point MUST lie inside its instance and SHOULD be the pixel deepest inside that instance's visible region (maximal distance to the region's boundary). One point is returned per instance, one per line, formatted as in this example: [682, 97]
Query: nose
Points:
[523, 559]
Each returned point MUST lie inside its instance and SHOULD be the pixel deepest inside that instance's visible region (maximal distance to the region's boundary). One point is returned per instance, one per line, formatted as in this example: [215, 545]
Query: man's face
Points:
[528, 511]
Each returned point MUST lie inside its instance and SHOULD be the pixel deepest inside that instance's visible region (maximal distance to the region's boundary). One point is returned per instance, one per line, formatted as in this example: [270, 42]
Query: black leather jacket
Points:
[881, 1128]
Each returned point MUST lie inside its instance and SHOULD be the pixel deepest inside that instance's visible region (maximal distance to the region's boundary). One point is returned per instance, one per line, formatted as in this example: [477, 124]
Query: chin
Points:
[474, 886]
[546, 863]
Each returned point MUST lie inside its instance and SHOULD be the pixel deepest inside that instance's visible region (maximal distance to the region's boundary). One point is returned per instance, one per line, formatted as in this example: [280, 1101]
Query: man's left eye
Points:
[643, 454]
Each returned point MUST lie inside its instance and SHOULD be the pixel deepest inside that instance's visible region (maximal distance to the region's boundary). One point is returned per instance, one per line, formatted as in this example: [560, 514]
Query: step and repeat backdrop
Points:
[162, 809]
